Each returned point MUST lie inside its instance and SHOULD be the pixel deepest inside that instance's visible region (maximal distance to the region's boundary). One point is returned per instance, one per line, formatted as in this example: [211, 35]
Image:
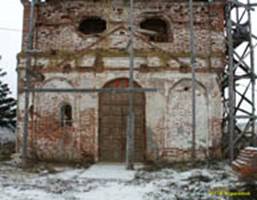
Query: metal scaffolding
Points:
[27, 82]
[131, 90]
[193, 66]
[239, 79]
[239, 105]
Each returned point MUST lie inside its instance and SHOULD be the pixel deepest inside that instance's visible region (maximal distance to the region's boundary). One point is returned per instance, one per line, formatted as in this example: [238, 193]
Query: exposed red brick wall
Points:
[92, 60]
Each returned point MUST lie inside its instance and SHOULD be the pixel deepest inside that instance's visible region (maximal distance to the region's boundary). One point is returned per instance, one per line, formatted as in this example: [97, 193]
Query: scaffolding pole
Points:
[91, 90]
[131, 117]
[231, 87]
[27, 83]
[253, 77]
[193, 65]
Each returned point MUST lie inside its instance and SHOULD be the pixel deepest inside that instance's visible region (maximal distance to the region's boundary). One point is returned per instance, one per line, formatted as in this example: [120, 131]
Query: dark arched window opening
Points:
[92, 25]
[158, 29]
[66, 115]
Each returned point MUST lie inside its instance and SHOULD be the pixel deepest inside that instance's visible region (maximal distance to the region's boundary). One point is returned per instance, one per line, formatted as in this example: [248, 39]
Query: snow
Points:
[113, 182]
[6, 135]
[117, 191]
[251, 148]
[109, 171]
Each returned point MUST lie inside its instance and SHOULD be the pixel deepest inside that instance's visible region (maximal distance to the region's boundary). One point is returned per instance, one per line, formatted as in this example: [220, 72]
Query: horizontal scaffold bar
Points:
[92, 90]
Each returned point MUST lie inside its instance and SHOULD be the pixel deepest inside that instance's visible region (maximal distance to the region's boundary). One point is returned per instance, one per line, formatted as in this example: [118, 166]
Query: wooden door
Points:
[113, 113]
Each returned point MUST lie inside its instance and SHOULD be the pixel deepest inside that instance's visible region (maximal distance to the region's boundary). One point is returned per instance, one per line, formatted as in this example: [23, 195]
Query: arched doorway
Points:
[179, 122]
[113, 111]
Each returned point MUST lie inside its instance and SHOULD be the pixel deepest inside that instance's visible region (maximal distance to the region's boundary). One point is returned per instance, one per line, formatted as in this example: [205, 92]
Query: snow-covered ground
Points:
[7, 142]
[6, 135]
[114, 183]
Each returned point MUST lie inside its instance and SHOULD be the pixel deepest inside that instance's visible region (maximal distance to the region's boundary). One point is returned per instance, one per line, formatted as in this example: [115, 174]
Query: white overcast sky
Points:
[11, 12]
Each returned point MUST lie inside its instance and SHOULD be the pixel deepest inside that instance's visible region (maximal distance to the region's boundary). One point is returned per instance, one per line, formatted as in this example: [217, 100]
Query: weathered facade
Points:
[83, 44]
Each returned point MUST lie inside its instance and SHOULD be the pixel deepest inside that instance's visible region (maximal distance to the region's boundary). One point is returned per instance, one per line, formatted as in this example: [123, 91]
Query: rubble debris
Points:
[246, 163]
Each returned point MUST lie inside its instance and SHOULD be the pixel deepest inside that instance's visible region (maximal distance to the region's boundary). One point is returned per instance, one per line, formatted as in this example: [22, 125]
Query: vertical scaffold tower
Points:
[239, 78]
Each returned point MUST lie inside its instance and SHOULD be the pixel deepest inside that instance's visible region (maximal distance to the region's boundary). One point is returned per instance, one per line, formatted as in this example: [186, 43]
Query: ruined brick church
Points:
[83, 44]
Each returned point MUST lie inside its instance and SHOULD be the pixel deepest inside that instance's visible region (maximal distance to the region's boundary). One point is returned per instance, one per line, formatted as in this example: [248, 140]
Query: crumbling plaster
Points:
[69, 59]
